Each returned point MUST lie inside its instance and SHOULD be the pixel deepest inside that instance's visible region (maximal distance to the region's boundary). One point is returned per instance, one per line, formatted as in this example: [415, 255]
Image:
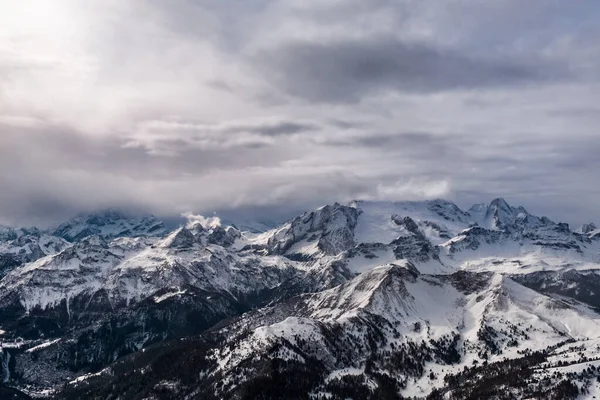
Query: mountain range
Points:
[369, 300]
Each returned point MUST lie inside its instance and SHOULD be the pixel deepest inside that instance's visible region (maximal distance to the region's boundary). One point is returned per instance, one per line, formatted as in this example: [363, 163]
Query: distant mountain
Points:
[110, 224]
[366, 300]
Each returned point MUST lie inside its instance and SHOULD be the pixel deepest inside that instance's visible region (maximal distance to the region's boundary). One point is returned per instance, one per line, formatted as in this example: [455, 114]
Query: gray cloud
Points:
[347, 70]
[271, 107]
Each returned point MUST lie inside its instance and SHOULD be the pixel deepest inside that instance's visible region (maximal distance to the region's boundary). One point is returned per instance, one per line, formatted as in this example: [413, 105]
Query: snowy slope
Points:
[437, 324]
[438, 219]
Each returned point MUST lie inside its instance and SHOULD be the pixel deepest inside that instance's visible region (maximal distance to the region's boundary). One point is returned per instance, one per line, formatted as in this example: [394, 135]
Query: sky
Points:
[265, 108]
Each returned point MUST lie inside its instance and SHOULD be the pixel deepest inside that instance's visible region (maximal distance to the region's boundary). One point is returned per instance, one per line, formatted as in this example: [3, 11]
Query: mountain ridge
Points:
[378, 273]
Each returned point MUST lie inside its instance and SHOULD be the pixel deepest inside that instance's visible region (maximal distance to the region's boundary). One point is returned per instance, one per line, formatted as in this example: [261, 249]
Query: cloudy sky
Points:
[270, 107]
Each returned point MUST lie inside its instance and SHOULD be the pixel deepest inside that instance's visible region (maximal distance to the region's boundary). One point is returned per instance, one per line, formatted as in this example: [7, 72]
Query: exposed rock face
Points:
[4, 368]
[180, 239]
[414, 246]
[332, 227]
[472, 238]
[582, 286]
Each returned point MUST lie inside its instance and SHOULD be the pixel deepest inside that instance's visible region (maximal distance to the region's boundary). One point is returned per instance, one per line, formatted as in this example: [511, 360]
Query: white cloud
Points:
[412, 190]
[205, 222]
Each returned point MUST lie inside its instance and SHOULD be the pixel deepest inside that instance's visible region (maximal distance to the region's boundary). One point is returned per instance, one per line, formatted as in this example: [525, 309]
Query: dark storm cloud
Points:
[346, 70]
[283, 128]
[348, 124]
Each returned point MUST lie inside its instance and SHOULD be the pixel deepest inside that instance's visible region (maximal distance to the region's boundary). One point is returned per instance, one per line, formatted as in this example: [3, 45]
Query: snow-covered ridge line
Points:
[436, 236]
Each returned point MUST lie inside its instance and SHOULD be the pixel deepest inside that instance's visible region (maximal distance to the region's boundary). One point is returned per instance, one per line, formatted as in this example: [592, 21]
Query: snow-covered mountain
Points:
[109, 223]
[23, 245]
[365, 300]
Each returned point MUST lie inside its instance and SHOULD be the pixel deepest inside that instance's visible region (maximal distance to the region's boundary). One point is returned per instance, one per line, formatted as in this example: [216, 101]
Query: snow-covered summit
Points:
[499, 215]
[328, 229]
[437, 219]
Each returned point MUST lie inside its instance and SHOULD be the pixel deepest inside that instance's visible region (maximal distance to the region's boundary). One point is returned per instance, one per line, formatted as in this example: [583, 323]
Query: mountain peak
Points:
[500, 204]
[180, 238]
[366, 291]
[499, 215]
[588, 228]
[329, 229]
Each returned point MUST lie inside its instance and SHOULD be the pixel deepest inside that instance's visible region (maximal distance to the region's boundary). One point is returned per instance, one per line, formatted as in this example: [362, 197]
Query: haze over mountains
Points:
[370, 299]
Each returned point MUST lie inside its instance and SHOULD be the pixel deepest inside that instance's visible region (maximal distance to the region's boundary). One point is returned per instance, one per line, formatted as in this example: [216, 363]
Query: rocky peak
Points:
[381, 277]
[181, 238]
[500, 203]
[23, 245]
[7, 233]
[92, 241]
[196, 228]
[223, 236]
[588, 228]
[333, 227]
[104, 217]
[500, 213]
